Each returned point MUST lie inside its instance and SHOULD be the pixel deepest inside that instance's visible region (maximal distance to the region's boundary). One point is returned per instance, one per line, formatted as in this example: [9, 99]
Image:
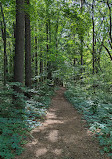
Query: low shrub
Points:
[20, 116]
[96, 108]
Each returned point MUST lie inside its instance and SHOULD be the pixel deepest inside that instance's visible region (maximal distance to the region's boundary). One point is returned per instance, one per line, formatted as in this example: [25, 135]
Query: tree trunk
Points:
[19, 45]
[56, 34]
[36, 61]
[10, 62]
[48, 41]
[81, 52]
[27, 48]
[47, 48]
[93, 53]
[49, 62]
[110, 27]
[3, 30]
[41, 66]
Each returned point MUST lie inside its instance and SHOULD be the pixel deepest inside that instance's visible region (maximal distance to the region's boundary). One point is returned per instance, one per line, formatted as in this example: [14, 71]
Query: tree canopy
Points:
[49, 43]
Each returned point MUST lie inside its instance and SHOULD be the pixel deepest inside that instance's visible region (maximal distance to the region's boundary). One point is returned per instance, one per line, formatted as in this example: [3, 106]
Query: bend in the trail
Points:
[63, 135]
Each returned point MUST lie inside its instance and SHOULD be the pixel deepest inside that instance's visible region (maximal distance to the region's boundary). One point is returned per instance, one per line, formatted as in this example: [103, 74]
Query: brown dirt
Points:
[63, 135]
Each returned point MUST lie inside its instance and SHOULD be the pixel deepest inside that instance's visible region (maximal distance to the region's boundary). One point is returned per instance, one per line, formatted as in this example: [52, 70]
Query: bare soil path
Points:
[63, 135]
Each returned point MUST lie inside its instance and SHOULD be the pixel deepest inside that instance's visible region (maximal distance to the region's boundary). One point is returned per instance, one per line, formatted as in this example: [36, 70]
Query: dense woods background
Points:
[49, 43]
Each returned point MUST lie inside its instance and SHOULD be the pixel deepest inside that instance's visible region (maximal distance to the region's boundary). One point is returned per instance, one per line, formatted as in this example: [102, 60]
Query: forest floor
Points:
[63, 135]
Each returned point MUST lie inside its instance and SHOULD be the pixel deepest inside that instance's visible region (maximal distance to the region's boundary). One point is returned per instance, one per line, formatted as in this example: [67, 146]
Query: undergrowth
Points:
[96, 106]
[17, 118]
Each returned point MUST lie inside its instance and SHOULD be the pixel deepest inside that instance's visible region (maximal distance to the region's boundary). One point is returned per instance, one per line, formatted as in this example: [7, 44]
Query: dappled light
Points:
[55, 79]
[41, 152]
[53, 136]
[62, 135]
[34, 142]
[57, 152]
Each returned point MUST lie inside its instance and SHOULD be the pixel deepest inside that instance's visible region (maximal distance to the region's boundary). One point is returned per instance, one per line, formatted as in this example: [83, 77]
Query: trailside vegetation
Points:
[50, 43]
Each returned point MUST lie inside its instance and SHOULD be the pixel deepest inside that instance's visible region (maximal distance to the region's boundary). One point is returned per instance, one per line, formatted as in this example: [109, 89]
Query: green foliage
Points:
[97, 110]
[12, 124]
[20, 116]
[37, 105]
[67, 38]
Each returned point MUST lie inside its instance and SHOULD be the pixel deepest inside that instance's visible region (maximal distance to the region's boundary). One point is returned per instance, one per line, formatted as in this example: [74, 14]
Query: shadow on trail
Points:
[62, 136]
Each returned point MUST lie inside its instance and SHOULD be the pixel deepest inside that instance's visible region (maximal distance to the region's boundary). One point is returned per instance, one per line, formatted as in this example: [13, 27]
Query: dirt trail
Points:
[63, 135]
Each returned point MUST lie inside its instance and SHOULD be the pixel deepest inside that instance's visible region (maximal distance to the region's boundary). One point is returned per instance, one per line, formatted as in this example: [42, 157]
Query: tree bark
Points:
[93, 52]
[27, 48]
[41, 66]
[108, 52]
[19, 44]
[81, 52]
[49, 76]
[110, 18]
[3, 30]
[36, 61]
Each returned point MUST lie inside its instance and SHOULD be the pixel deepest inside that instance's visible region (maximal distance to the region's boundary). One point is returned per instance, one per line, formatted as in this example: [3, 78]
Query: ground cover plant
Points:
[16, 124]
[96, 107]
[48, 43]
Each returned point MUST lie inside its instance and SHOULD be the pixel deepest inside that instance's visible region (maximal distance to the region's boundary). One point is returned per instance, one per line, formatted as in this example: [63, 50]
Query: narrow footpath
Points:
[63, 135]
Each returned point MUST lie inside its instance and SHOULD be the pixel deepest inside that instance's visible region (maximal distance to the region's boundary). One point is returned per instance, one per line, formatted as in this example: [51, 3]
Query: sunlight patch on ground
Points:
[57, 151]
[41, 152]
[32, 143]
[53, 136]
[52, 119]
[48, 122]
[51, 115]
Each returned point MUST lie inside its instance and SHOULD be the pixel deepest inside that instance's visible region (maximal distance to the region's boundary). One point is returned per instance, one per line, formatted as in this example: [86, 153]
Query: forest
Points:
[48, 44]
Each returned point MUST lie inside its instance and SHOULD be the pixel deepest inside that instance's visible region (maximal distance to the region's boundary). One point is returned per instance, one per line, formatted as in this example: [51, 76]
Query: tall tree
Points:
[93, 52]
[48, 40]
[108, 48]
[36, 61]
[27, 46]
[3, 30]
[19, 44]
